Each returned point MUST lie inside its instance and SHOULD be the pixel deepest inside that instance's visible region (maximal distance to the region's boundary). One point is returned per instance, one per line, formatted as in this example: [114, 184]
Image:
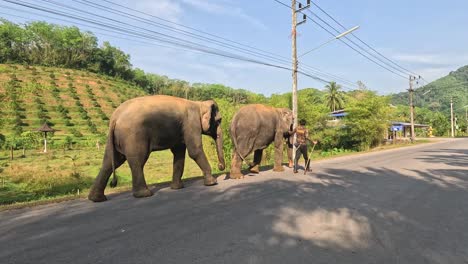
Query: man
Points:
[289, 143]
[302, 136]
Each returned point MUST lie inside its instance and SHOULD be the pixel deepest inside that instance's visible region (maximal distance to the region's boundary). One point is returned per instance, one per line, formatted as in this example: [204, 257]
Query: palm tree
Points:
[334, 96]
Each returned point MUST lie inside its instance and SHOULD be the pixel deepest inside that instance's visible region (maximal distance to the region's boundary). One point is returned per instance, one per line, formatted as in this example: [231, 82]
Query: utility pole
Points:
[294, 61]
[410, 90]
[451, 117]
[294, 66]
[466, 118]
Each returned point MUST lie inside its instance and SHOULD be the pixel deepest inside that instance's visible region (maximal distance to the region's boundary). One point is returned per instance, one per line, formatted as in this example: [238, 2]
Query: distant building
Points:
[403, 129]
[335, 117]
[338, 114]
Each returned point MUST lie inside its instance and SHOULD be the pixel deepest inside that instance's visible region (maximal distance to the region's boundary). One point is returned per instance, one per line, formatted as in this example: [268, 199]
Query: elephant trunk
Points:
[219, 148]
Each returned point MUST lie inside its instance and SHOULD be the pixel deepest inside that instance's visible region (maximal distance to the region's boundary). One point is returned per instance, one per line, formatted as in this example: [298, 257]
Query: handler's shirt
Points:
[302, 134]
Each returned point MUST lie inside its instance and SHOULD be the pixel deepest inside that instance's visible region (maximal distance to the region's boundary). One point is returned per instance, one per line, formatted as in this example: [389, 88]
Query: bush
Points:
[68, 123]
[18, 130]
[76, 133]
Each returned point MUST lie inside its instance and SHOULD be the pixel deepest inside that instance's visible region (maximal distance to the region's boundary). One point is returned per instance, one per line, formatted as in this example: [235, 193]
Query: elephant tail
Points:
[234, 140]
[112, 150]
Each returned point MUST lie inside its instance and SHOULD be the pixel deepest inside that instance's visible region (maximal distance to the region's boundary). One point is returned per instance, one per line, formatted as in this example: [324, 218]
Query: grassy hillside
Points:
[77, 103]
[439, 92]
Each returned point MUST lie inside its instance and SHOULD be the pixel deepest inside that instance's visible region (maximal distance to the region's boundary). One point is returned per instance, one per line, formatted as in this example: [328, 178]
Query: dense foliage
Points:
[433, 101]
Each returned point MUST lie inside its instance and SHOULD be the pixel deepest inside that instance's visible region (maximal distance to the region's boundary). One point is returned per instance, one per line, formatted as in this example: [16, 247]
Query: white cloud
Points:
[421, 58]
[167, 9]
[224, 7]
[433, 59]
[432, 65]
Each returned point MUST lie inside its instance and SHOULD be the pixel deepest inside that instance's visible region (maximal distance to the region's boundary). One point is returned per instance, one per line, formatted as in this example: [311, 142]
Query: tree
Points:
[12, 143]
[362, 86]
[334, 96]
[366, 122]
[29, 140]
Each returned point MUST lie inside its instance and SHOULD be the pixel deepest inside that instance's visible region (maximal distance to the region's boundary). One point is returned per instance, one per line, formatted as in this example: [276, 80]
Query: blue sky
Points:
[426, 36]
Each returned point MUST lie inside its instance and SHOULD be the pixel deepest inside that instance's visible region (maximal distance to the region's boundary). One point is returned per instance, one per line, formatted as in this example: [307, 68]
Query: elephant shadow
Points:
[263, 168]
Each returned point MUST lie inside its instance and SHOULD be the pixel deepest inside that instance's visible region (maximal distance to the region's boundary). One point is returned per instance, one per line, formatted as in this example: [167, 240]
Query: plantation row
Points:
[76, 103]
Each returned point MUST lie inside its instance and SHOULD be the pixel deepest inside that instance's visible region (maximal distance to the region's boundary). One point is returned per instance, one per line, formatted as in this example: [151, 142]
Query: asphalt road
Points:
[400, 206]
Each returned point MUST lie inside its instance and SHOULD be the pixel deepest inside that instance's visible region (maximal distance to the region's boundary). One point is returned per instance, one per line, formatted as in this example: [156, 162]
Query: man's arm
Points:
[307, 137]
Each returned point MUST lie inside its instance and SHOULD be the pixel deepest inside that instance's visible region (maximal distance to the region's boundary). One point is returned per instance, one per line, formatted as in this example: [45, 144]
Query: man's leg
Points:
[306, 157]
[296, 159]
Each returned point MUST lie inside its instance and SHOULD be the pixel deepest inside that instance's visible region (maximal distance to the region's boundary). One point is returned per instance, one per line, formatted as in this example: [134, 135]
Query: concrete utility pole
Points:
[294, 66]
[294, 60]
[466, 118]
[410, 90]
[451, 117]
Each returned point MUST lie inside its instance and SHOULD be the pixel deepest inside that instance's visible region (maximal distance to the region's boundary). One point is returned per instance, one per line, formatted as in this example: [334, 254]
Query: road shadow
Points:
[451, 157]
[365, 215]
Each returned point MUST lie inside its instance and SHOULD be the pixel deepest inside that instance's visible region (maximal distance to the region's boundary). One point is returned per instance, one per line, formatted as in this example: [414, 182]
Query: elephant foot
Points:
[255, 169]
[97, 197]
[142, 193]
[278, 169]
[210, 181]
[236, 176]
[177, 185]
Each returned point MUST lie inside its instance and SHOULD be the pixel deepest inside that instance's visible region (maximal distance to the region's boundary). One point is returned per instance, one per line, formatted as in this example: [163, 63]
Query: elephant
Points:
[253, 128]
[142, 125]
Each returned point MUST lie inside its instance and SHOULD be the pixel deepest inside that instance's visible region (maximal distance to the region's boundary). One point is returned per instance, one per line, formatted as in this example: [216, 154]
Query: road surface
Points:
[406, 205]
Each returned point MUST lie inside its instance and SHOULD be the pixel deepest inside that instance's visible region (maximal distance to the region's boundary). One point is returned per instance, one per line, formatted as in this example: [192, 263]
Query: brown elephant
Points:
[253, 128]
[151, 123]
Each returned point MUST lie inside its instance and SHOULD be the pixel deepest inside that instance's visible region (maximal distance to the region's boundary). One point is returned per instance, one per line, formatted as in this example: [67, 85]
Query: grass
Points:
[42, 178]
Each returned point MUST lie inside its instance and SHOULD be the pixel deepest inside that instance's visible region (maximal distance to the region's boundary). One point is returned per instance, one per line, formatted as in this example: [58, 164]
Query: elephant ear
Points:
[206, 113]
[286, 118]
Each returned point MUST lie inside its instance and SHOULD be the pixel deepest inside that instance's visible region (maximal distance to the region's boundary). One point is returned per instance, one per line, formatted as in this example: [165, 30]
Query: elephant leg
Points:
[254, 167]
[197, 154]
[96, 193]
[236, 164]
[136, 161]
[278, 152]
[178, 167]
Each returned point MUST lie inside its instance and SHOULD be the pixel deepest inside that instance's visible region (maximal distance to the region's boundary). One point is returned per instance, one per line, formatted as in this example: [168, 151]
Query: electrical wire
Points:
[363, 42]
[386, 66]
[139, 34]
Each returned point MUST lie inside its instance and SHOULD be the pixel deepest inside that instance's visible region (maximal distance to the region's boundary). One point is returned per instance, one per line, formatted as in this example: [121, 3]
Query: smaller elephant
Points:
[253, 128]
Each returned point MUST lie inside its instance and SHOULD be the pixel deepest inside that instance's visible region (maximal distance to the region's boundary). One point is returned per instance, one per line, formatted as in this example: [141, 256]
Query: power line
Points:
[347, 44]
[144, 35]
[363, 42]
[387, 65]
[362, 54]
[137, 33]
[210, 39]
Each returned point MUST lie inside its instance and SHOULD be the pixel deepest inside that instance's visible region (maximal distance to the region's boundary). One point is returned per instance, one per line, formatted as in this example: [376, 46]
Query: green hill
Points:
[76, 103]
[436, 95]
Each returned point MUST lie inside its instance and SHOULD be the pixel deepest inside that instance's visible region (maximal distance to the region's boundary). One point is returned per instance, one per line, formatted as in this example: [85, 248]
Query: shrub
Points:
[76, 133]
[68, 123]
[18, 129]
